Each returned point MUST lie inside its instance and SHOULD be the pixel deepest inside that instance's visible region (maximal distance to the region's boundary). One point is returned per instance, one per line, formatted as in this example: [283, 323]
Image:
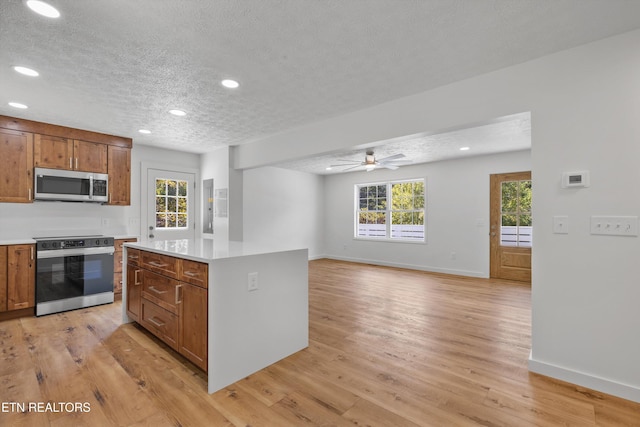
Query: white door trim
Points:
[144, 194]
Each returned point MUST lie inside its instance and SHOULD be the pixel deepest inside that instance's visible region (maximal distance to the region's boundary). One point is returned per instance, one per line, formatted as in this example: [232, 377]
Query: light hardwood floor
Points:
[388, 347]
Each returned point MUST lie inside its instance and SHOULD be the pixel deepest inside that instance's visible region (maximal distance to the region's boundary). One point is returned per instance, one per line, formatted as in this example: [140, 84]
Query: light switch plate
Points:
[614, 225]
[561, 224]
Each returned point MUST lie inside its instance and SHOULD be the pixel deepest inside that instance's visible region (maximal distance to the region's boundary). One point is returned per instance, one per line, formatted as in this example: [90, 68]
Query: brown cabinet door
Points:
[134, 277]
[89, 156]
[193, 324]
[52, 152]
[16, 166]
[119, 167]
[3, 278]
[21, 269]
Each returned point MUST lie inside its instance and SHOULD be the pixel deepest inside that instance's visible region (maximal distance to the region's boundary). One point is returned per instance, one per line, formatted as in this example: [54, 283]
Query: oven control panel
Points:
[73, 243]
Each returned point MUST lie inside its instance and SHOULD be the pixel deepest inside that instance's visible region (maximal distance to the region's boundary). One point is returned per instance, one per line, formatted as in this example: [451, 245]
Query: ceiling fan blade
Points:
[395, 156]
[346, 164]
[353, 167]
[398, 162]
[388, 166]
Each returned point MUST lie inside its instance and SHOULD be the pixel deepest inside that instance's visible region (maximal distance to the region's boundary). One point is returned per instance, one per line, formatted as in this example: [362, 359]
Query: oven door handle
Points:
[59, 253]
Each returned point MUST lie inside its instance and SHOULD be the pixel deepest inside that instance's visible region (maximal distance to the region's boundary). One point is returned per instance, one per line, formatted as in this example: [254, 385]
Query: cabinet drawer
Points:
[133, 256]
[194, 272]
[162, 264]
[161, 290]
[159, 322]
[117, 244]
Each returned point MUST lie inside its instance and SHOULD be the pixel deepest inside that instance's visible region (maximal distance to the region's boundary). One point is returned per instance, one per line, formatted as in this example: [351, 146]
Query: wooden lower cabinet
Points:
[117, 265]
[17, 277]
[193, 320]
[133, 291]
[162, 323]
[166, 305]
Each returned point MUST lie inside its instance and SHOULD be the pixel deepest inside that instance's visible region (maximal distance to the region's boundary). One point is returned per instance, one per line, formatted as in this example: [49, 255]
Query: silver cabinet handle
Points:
[157, 264]
[136, 282]
[178, 289]
[190, 273]
[159, 292]
[155, 322]
[76, 163]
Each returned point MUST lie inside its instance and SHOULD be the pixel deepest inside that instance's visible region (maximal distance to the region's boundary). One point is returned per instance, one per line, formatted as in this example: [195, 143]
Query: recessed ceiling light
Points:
[43, 8]
[145, 131]
[26, 71]
[231, 84]
[18, 105]
[464, 148]
[178, 112]
[328, 168]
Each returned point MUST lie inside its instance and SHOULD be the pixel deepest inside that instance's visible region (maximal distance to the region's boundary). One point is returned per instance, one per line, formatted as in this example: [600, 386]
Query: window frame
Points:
[388, 212]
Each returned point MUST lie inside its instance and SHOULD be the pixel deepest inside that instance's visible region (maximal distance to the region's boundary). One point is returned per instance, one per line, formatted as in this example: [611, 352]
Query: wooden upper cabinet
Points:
[16, 166]
[52, 152]
[119, 169]
[89, 156]
[55, 152]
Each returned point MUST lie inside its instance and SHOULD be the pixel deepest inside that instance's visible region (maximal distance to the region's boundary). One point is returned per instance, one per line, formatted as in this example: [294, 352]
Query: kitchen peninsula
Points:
[230, 307]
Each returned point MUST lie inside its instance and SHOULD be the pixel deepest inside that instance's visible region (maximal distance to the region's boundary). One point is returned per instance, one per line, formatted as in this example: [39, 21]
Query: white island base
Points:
[248, 330]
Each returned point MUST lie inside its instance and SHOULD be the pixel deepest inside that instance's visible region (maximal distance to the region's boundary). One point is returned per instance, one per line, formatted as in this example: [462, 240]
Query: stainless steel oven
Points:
[73, 272]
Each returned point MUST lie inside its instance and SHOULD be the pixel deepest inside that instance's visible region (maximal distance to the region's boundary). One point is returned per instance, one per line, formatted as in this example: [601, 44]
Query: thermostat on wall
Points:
[575, 179]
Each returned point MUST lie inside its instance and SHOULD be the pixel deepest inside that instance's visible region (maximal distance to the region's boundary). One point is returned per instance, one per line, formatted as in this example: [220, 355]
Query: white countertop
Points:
[205, 250]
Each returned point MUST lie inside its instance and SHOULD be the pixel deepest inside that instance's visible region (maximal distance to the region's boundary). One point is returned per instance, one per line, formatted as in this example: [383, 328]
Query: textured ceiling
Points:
[510, 133]
[118, 66]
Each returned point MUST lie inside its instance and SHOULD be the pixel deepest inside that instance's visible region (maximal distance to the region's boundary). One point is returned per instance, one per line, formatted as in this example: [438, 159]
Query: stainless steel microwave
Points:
[70, 186]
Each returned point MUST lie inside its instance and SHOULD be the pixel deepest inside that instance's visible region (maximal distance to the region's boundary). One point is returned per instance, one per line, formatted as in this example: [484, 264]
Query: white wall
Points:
[215, 165]
[26, 220]
[585, 109]
[457, 215]
[284, 207]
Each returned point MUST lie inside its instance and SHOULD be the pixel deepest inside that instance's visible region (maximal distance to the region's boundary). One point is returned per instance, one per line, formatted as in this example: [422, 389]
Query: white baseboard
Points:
[585, 380]
[412, 266]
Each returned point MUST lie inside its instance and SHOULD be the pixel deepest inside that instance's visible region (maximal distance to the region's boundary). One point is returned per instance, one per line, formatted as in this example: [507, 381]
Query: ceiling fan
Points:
[370, 162]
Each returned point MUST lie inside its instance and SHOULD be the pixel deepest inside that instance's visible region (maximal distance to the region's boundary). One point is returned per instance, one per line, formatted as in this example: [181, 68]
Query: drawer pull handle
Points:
[178, 294]
[153, 288]
[158, 264]
[190, 273]
[155, 322]
[135, 278]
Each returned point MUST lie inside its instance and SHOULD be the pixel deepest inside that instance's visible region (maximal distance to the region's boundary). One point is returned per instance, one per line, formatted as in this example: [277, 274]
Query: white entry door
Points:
[170, 205]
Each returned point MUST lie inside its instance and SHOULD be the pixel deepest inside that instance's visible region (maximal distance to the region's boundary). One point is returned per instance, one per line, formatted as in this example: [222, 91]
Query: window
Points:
[391, 210]
[171, 203]
[516, 224]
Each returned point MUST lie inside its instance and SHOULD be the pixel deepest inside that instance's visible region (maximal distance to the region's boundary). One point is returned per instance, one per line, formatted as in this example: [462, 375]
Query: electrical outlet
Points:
[106, 222]
[252, 282]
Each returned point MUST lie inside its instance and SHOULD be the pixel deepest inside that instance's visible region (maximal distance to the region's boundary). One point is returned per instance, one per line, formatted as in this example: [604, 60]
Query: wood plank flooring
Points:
[388, 347]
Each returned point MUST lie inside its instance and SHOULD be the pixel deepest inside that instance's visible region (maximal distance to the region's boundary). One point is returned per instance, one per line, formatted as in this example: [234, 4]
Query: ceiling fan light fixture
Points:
[370, 166]
[42, 8]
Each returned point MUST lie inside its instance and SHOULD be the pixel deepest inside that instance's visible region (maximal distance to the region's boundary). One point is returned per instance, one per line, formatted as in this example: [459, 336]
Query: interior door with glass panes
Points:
[170, 205]
[511, 226]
